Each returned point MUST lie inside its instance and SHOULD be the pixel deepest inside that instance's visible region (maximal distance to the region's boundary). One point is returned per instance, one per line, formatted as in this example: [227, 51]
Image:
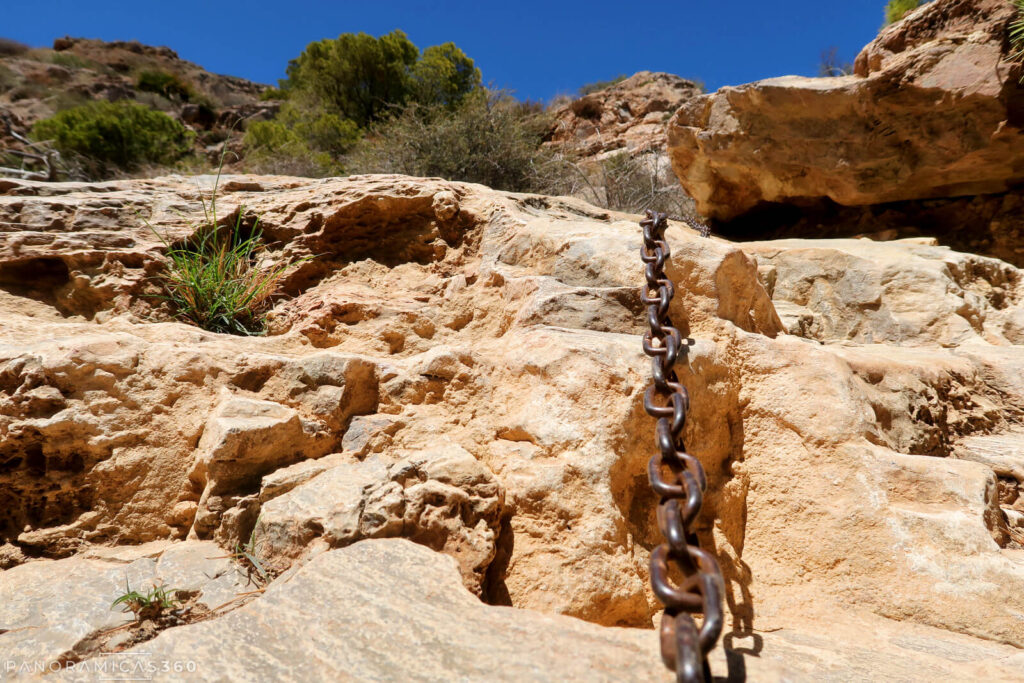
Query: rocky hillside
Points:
[627, 116]
[37, 82]
[448, 405]
[925, 139]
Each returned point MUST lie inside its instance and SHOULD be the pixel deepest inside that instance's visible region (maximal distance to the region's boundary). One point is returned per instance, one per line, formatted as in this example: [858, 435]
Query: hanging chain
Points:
[678, 478]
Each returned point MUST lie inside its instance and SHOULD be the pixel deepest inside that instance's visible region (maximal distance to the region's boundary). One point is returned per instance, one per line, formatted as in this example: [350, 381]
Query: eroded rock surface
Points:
[462, 368]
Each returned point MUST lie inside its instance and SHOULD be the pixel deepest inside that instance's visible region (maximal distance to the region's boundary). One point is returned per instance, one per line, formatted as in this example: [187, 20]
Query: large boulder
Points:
[934, 110]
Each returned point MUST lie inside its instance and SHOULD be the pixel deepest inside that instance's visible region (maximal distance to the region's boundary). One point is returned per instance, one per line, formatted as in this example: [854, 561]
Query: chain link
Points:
[679, 480]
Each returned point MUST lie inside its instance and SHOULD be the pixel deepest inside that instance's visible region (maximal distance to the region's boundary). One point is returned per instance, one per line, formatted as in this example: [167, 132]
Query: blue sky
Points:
[537, 49]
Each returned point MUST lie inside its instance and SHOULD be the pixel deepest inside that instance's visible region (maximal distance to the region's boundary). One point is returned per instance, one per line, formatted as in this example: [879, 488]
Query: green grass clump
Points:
[147, 605]
[223, 279]
[66, 59]
[115, 135]
[1017, 32]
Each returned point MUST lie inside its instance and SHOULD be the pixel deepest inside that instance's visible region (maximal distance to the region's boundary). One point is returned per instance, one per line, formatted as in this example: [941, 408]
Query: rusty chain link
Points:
[679, 480]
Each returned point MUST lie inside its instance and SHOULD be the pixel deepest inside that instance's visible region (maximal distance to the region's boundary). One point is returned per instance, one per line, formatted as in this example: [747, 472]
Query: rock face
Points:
[628, 116]
[462, 368]
[934, 110]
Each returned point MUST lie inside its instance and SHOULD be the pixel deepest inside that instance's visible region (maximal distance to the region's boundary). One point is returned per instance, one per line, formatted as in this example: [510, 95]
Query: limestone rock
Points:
[393, 610]
[930, 113]
[891, 292]
[442, 498]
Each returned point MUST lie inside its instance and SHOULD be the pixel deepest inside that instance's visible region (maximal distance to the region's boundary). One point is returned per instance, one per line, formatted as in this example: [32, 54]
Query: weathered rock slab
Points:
[932, 112]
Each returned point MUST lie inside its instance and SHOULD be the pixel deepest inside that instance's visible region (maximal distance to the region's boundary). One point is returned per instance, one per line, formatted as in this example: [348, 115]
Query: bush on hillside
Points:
[271, 147]
[362, 78]
[167, 84]
[489, 138]
[600, 85]
[115, 135]
[895, 9]
[634, 183]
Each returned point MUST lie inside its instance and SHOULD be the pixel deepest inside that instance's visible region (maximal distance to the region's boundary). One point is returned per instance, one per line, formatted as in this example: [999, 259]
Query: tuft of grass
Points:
[151, 604]
[1017, 33]
[245, 556]
[222, 279]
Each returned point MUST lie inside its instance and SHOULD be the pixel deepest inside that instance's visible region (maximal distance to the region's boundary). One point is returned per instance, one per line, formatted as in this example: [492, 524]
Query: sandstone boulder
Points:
[933, 111]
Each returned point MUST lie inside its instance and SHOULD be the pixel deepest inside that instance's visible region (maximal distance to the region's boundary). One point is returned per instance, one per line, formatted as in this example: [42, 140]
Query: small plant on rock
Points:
[245, 556]
[150, 605]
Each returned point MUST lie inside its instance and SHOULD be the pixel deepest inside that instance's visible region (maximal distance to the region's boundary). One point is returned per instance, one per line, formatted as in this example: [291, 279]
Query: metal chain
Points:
[679, 479]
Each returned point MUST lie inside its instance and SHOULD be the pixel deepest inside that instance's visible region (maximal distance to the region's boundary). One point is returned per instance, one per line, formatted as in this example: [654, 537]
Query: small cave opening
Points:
[988, 225]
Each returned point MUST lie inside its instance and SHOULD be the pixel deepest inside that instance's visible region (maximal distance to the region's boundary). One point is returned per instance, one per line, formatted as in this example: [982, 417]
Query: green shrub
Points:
[273, 94]
[115, 134]
[321, 130]
[895, 9]
[167, 84]
[443, 75]
[361, 78]
[600, 85]
[489, 138]
[297, 144]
